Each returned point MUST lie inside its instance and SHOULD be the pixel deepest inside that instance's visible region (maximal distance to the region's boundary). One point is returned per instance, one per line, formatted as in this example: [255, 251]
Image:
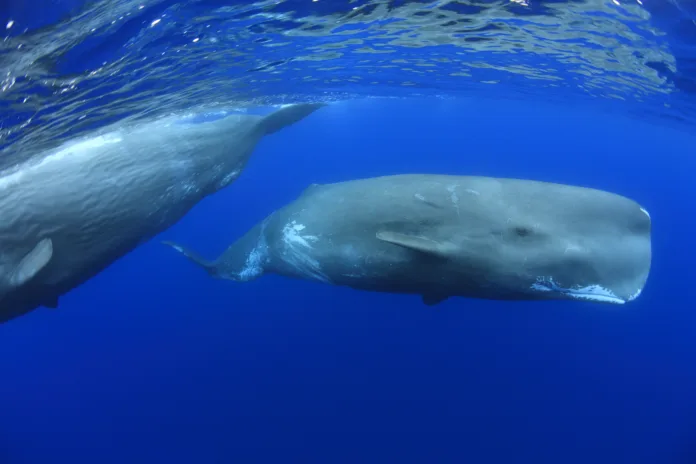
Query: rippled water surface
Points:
[80, 65]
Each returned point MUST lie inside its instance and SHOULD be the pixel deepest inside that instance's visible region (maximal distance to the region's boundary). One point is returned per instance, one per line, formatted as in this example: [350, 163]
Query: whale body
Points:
[442, 236]
[72, 212]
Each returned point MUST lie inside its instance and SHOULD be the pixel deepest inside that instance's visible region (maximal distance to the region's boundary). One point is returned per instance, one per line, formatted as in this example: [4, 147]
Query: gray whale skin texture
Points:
[441, 236]
[74, 210]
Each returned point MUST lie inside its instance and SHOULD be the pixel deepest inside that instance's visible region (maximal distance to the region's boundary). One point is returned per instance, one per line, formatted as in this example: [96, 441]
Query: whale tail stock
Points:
[242, 261]
[286, 116]
[195, 258]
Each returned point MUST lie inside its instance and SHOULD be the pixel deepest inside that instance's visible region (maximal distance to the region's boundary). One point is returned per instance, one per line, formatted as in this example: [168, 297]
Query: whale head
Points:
[567, 243]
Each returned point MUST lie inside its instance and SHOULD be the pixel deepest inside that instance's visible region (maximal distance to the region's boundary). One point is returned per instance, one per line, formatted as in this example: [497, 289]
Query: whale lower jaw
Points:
[595, 297]
[595, 293]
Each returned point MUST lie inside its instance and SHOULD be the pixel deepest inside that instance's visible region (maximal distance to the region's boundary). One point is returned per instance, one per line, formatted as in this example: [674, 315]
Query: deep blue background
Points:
[153, 361]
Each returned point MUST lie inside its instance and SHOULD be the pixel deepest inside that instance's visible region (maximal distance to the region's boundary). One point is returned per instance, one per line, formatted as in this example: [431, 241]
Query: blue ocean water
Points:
[153, 361]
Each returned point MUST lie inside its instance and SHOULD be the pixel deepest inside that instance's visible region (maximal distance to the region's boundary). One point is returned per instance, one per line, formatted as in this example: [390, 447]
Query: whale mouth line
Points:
[593, 292]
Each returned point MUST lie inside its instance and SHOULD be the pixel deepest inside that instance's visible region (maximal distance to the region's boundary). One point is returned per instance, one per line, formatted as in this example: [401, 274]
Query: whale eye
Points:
[522, 231]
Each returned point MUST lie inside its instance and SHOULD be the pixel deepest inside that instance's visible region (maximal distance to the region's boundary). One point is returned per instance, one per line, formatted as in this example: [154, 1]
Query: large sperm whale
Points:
[443, 236]
[75, 210]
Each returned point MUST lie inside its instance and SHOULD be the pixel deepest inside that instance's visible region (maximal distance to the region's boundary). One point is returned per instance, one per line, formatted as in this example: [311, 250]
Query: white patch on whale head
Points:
[473, 192]
[589, 293]
[419, 196]
[645, 212]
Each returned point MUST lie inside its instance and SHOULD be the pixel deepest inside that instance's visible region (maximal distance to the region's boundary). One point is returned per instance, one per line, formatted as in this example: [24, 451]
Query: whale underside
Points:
[76, 209]
[441, 236]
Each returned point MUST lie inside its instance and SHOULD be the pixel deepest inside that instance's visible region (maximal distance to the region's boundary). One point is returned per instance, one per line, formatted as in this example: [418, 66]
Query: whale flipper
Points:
[32, 263]
[417, 243]
[286, 116]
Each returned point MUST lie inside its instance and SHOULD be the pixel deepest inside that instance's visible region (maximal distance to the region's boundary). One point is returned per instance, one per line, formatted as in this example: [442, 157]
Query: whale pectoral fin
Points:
[421, 244]
[432, 300]
[32, 263]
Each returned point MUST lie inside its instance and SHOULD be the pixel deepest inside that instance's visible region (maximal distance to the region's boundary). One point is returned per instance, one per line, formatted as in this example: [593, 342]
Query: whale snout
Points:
[614, 274]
